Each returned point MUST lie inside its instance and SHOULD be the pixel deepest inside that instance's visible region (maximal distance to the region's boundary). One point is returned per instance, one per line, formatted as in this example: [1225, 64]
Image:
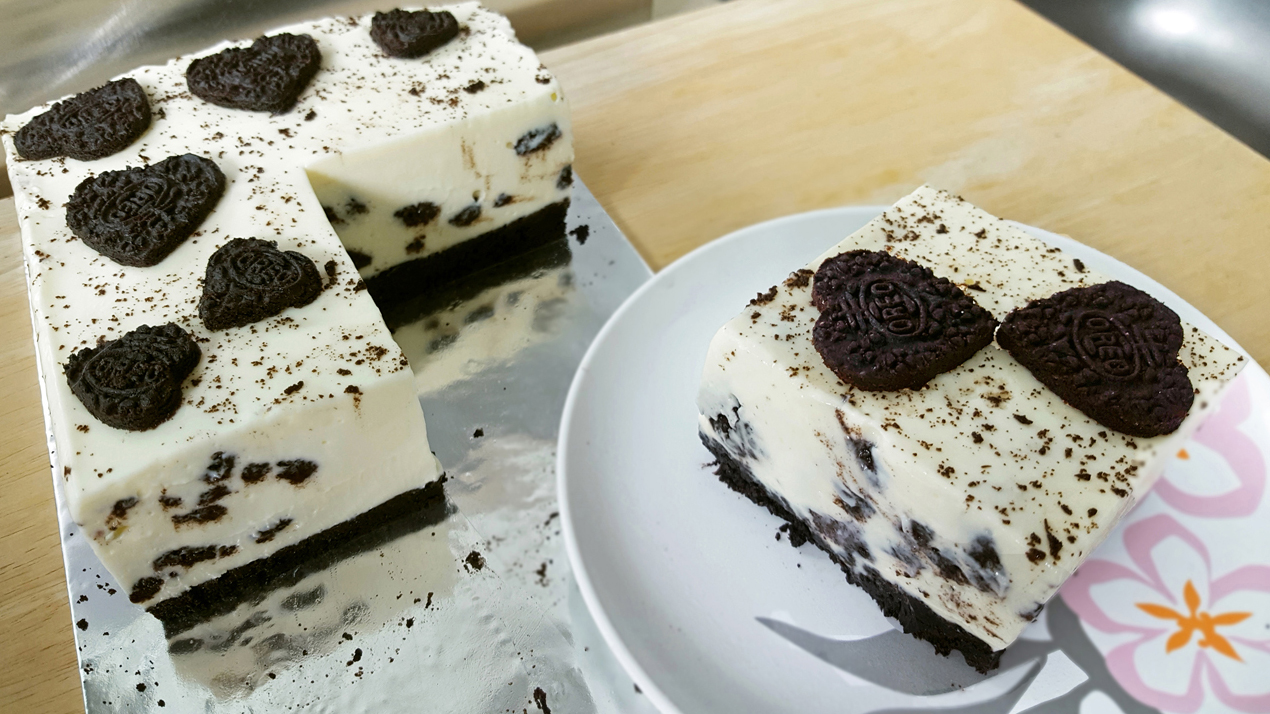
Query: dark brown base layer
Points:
[914, 615]
[418, 287]
[552, 255]
[398, 516]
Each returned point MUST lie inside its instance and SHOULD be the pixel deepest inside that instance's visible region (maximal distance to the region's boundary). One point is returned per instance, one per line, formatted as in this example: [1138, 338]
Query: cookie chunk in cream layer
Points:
[971, 499]
[297, 423]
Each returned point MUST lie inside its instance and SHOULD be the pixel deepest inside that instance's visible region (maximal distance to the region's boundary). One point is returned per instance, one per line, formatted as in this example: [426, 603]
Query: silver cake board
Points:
[475, 613]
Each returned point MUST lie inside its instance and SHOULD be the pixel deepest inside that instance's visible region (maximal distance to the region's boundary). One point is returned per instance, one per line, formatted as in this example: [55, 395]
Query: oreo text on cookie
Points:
[887, 324]
[1109, 350]
[893, 308]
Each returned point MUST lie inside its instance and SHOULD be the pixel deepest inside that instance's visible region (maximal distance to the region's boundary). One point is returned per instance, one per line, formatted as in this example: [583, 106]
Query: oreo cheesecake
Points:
[956, 412]
[205, 242]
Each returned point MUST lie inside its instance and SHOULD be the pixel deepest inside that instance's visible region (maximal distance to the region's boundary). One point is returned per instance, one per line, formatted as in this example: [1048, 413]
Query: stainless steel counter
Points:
[1211, 55]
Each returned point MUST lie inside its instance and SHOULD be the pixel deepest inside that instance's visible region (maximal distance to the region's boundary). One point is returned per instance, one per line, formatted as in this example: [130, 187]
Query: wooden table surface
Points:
[693, 127]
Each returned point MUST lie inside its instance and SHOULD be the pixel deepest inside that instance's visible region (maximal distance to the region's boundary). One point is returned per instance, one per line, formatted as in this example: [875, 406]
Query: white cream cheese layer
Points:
[979, 493]
[323, 384]
[469, 170]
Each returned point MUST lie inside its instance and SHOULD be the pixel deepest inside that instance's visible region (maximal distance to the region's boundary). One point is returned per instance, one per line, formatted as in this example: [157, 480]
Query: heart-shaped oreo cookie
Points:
[249, 280]
[90, 125]
[887, 324]
[401, 33]
[134, 382]
[1109, 350]
[138, 216]
[266, 77]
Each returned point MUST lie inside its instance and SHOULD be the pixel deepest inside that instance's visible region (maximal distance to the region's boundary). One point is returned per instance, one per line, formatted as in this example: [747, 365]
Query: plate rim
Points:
[599, 615]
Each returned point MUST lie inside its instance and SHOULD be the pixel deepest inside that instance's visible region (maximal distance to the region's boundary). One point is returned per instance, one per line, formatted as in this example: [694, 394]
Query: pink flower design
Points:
[1173, 633]
[1229, 452]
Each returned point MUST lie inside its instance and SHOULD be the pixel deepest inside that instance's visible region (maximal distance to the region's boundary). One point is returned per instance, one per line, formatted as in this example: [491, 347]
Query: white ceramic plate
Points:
[710, 611]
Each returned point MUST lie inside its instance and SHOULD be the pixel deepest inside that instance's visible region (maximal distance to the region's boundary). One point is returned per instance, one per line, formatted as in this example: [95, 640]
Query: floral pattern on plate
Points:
[1178, 600]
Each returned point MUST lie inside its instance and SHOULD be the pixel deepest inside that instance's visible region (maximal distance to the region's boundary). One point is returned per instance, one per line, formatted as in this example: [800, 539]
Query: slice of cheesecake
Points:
[962, 500]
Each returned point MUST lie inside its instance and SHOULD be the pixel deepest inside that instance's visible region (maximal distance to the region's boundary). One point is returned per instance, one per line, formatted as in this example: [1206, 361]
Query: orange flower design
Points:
[1197, 621]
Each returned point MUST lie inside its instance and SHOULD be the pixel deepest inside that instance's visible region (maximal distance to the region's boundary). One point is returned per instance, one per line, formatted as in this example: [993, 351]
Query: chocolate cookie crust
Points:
[888, 324]
[398, 516]
[1109, 350]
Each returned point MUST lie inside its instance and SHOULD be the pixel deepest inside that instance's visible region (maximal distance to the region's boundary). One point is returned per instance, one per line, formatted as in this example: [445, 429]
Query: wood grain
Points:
[696, 126]
[38, 672]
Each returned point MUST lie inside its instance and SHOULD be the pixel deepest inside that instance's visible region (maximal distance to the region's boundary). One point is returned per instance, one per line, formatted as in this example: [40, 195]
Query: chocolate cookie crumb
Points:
[145, 589]
[255, 473]
[764, 298]
[418, 214]
[540, 700]
[467, 216]
[360, 259]
[269, 533]
[296, 471]
[800, 278]
[204, 514]
[536, 140]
